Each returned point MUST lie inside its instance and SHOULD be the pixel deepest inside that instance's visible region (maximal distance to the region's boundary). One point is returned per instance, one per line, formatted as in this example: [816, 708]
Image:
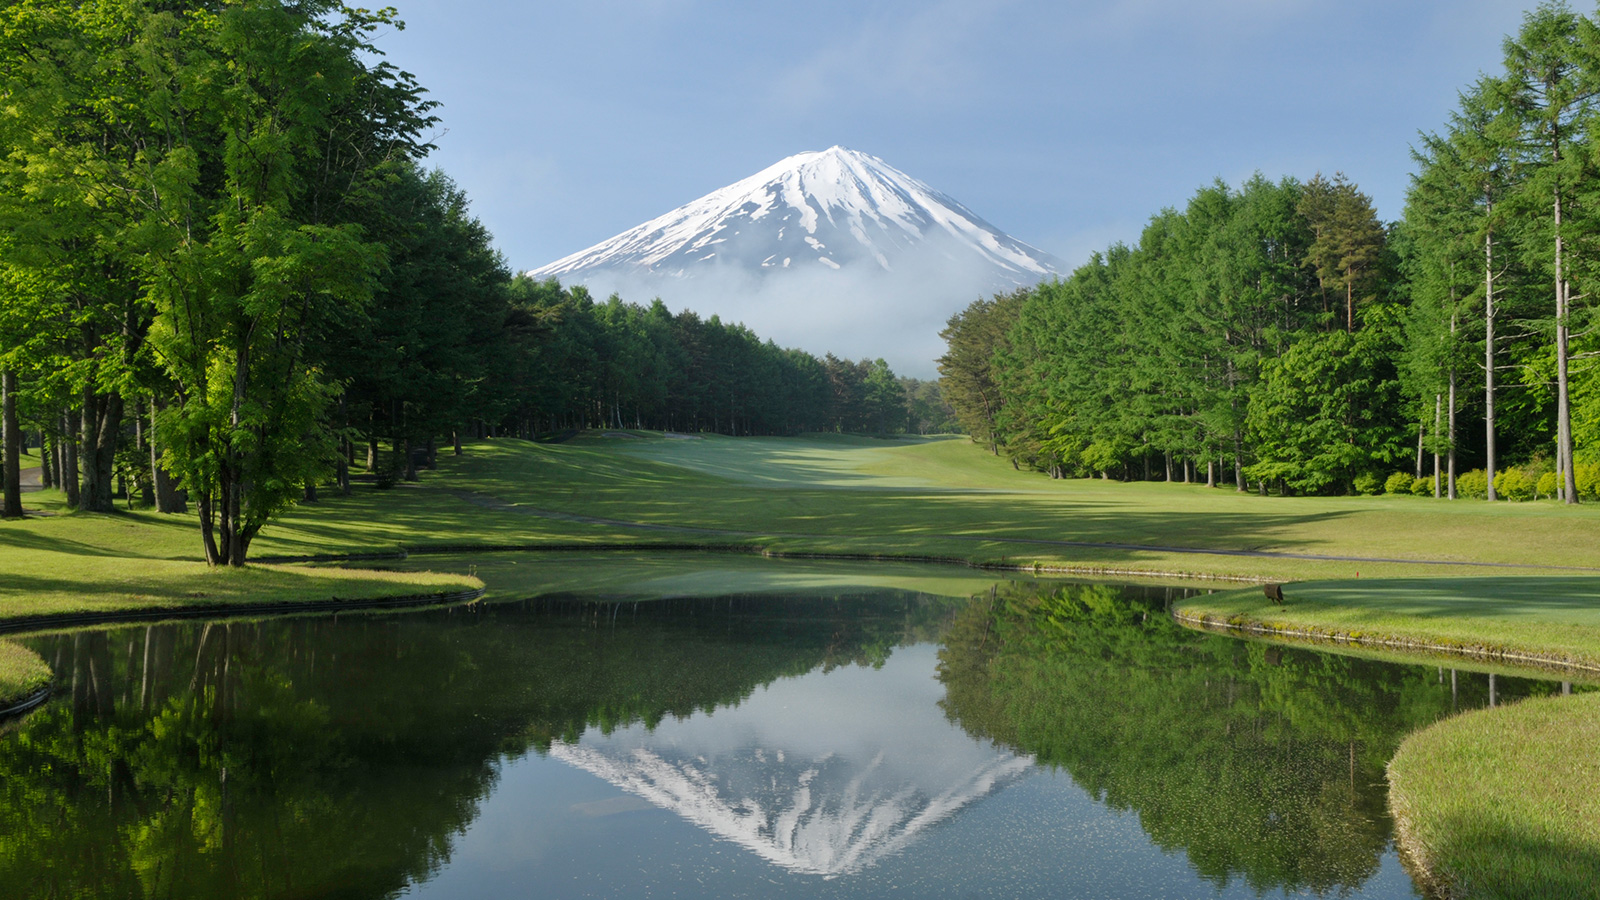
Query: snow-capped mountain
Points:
[816, 250]
[833, 208]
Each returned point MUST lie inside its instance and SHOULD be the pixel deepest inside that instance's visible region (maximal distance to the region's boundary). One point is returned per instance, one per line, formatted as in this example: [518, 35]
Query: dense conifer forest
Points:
[1276, 336]
[226, 277]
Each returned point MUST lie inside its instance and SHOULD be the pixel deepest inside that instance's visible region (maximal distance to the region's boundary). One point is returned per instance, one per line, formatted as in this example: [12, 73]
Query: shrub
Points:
[1368, 483]
[1398, 483]
[1549, 485]
[1588, 475]
[1514, 484]
[1422, 487]
[1473, 484]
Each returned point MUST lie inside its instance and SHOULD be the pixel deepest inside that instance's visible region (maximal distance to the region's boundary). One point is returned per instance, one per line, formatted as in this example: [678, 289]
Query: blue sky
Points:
[1066, 124]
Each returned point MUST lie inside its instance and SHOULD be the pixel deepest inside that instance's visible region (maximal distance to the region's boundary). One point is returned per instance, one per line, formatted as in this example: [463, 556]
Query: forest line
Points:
[1278, 335]
[226, 277]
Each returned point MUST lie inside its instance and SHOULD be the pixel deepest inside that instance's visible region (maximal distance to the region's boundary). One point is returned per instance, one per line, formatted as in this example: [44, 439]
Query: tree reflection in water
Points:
[1260, 763]
[341, 757]
[344, 757]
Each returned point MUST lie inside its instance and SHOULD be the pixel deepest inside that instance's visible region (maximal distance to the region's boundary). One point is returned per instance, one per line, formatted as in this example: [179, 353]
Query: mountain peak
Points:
[835, 224]
[832, 207]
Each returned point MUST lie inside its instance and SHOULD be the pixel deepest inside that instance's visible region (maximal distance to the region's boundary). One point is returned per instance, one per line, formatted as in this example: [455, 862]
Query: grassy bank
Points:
[940, 498]
[1543, 619]
[1501, 803]
[21, 673]
[86, 563]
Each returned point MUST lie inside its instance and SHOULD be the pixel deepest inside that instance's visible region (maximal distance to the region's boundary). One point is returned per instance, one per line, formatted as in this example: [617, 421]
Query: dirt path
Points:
[487, 502]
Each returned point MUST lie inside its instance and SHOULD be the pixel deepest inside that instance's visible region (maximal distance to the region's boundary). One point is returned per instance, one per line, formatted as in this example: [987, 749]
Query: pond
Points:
[732, 728]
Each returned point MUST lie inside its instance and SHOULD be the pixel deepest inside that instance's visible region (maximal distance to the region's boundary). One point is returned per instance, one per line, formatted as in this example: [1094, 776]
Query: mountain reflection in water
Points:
[1039, 740]
[824, 774]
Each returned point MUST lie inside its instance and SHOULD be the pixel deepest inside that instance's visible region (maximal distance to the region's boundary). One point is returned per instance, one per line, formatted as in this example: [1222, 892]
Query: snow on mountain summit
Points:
[834, 225]
[834, 207]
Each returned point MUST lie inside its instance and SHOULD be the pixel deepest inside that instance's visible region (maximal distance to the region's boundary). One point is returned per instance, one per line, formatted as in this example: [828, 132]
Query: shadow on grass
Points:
[1485, 859]
[147, 538]
[1556, 598]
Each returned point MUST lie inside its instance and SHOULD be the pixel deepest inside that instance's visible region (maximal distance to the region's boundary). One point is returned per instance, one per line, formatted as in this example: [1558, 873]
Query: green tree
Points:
[1553, 75]
[1326, 410]
[255, 253]
[966, 370]
[1349, 240]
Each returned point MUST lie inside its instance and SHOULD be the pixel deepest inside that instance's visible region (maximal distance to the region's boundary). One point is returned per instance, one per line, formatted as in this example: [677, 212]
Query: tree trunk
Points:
[1488, 356]
[208, 528]
[1450, 424]
[341, 469]
[1569, 484]
[100, 427]
[12, 467]
[142, 438]
[1422, 429]
[1437, 402]
[47, 459]
[169, 498]
[402, 449]
[455, 439]
[69, 457]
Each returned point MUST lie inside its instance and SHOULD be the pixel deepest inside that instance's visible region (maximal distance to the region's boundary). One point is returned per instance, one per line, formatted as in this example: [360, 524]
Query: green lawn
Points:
[1547, 619]
[937, 497]
[21, 673]
[144, 561]
[1502, 803]
[825, 494]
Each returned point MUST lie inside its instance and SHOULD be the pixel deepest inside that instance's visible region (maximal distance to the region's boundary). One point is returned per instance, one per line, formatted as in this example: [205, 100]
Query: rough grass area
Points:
[21, 673]
[1545, 619]
[1502, 803]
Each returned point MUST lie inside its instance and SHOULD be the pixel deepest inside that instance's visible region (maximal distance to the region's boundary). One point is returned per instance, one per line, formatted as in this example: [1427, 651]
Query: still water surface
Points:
[1028, 739]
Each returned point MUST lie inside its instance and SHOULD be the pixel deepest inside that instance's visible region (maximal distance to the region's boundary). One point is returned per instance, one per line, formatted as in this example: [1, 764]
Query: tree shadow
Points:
[1485, 858]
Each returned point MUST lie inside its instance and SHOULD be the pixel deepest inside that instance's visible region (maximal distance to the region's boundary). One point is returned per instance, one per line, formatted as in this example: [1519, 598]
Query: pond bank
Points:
[1498, 803]
[1502, 802]
[24, 679]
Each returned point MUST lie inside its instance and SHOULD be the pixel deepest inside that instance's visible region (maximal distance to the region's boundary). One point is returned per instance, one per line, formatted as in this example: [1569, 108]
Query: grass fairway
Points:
[926, 497]
[1502, 803]
[826, 494]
